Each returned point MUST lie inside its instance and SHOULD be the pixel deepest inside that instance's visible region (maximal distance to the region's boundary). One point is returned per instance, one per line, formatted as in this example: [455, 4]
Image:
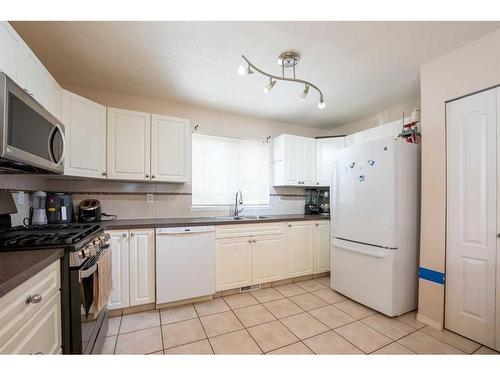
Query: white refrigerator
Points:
[375, 219]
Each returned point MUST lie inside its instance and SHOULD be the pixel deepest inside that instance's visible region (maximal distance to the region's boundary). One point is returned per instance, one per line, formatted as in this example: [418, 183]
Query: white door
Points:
[268, 258]
[170, 149]
[85, 133]
[307, 161]
[299, 248]
[363, 198]
[233, 263]
[56, 99]
[11, 55]
[292, 159]
[322, 246]
[326, 149]
[128, 145]
[36, 79]
[142, 267]
[119, 297]
[471, 216]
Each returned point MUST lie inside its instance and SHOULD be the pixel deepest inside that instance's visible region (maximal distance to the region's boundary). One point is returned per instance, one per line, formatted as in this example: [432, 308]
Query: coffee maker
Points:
[317, 201]
[38, 215]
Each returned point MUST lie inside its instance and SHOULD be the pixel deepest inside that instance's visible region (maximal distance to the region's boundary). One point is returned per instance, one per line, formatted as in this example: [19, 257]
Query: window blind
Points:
[222, 166]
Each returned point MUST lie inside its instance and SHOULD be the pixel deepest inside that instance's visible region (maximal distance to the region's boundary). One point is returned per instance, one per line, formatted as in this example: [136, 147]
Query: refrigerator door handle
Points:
[376, 254]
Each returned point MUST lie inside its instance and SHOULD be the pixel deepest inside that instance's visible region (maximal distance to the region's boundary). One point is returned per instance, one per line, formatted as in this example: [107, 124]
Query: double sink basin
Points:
[242, 218]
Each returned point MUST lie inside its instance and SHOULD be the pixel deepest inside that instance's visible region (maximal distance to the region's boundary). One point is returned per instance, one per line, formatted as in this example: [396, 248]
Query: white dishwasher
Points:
[185, 263]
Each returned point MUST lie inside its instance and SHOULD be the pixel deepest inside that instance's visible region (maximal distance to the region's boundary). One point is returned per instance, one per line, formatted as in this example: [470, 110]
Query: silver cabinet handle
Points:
[254, 241]
[124, 235]
[153, 176]
[147, 176]
[317, 224]
[35, 298]
[250, 241]
[289, 225]
[132, 234]
[104, 174]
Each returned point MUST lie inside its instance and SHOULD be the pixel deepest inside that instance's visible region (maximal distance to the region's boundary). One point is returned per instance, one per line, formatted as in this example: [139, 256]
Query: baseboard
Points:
[429, 322]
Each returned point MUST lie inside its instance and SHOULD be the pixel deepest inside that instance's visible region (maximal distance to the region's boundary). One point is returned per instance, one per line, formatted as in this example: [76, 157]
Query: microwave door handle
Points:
[50, 142]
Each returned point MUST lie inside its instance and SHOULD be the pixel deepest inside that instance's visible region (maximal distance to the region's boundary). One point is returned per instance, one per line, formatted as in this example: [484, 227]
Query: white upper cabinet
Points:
[23, 67]
[36, 79]
[170, 149]
[294, 161]
[128, 145]
[11, 55]
[326, 148]
[85, 133]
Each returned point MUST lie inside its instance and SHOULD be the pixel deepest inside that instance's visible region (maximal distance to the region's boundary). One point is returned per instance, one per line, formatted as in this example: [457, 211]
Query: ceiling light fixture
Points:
[288, 59]
[269, 86]
[303, 96]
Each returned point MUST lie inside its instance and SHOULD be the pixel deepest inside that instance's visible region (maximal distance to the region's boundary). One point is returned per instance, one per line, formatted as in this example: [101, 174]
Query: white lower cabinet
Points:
[33, 328]
[233, 263]
[299, 248]
[268, 258]
[322, 246]
[249, 254]
[133, 268]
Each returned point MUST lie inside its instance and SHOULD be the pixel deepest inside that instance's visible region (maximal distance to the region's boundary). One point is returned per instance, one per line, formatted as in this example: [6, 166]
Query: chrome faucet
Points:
[238, 201]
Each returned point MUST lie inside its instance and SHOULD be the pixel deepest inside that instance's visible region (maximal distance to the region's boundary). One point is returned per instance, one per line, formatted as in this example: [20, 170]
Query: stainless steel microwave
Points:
[31, 138]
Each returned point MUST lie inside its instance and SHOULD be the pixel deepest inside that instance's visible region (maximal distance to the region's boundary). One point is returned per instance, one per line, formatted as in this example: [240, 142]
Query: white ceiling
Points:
[362, 67]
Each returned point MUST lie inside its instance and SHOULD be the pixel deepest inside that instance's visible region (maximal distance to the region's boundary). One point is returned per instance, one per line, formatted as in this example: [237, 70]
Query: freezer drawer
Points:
[365, 274]
[185, 263]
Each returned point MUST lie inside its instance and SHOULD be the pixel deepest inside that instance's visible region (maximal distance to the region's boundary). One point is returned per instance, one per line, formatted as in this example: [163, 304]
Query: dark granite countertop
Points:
[18, 266]
[198, 221]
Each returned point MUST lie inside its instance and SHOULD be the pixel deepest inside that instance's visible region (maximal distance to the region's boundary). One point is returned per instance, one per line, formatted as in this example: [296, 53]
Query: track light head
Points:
[303, 95]
[321, 103]
[243, 71]
[269, 86]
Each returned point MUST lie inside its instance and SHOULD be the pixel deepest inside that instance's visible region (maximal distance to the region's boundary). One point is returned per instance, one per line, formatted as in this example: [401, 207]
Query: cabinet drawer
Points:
[242, 230]
[41, 334]
[15, 312]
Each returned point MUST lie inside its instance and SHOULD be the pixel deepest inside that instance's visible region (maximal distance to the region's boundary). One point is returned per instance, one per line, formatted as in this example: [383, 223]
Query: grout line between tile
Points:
[203, 328]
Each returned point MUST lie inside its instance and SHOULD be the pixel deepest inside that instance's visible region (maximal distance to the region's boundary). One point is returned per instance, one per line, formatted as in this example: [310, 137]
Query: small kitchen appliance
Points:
[38, 216]
[317, 201]
[59, 208]
[89, 211]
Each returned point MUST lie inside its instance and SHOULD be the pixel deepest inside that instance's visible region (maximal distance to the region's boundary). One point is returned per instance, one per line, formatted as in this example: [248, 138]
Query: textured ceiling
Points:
[362, 67]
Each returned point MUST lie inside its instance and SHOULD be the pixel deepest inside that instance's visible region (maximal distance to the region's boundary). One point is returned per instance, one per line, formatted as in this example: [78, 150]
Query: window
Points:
[222, 166]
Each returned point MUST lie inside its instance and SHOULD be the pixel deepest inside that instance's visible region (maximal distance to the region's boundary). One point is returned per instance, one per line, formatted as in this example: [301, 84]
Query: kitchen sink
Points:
[242, 218]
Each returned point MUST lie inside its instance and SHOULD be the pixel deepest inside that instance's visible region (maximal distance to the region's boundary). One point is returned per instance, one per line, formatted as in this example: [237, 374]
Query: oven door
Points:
[31, 138]
[88, 328]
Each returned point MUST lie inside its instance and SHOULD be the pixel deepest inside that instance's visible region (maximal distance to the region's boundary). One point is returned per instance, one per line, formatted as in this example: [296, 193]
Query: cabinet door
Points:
[322, 246]
[299, 248]
[326, 148]
[41, 334]
[142, 267]
[307, 161]
[35, 78]
[170, 149]
[11, 55]
[128, 145]
[119, 297]
[268, 258]
[55, 99]
[233, 263]
[293, 160]
[85, 133]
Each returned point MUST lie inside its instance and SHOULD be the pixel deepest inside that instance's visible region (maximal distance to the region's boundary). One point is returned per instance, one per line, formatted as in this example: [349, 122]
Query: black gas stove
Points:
[84, 245]
[70, 236]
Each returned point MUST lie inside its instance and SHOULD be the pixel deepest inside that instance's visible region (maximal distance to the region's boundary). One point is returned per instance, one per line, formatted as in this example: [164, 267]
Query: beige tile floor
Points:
[306, 317]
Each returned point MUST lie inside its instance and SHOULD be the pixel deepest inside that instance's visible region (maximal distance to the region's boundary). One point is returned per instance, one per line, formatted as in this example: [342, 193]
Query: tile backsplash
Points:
[128, 200]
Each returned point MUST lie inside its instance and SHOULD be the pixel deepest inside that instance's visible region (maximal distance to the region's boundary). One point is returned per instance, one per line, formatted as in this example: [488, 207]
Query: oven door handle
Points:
[83, 274]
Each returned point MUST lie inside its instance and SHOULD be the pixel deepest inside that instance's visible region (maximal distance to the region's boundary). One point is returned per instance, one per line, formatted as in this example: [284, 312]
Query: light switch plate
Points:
[20, 198]
[150, 198]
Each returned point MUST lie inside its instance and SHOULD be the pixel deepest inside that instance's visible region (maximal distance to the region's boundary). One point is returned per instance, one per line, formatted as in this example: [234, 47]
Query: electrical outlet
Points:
[150, 198]
[20, 198]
